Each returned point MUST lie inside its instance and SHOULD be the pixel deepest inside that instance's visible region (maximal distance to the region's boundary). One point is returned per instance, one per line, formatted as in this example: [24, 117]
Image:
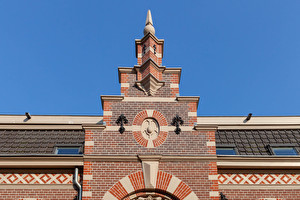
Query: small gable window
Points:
[226, 151]
[284, 151]
[68, 150]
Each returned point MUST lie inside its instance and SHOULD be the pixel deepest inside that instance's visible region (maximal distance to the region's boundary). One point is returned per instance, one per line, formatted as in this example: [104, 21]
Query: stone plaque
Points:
[150, 129]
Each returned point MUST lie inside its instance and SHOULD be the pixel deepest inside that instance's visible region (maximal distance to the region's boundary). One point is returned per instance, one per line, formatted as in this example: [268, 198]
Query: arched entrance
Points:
[132, 187]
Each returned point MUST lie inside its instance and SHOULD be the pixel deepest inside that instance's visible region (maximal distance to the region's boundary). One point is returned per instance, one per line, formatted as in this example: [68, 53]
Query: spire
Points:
[149, 24]
[149, 18]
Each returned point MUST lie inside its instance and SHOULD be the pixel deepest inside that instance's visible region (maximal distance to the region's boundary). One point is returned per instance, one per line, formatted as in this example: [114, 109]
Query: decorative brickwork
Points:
[36, 178]
[259, 178]
[37, 194]
[166, 183]
[131, 90]
[139, 136]
[31, 184]
[162, 153]
[196, 176]
[150, 100]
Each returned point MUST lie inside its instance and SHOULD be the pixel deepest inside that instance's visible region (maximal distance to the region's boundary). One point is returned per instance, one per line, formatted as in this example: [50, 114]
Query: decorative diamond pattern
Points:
[259, 178]
[36, 178]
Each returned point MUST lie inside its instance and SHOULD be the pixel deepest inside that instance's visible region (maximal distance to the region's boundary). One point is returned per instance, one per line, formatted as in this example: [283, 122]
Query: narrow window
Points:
[67, 150]
[144, 49]
[284, 151]
[226, 151]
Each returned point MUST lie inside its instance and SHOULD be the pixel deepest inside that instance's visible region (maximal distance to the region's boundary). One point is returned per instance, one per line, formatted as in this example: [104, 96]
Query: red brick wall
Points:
[150, 42]
[38, 194]
[189, 142]
[195, 175]
[29, 179]
[165, 91]
[114, 143]
[168, 109]
[107, 174]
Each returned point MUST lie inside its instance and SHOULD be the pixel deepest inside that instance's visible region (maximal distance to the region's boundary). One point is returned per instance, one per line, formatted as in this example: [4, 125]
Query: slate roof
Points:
[255, 142]
[37, 141]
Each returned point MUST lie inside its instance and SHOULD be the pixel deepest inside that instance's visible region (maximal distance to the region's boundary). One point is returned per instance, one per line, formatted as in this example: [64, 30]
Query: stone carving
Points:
[150, 129]
[149, 85]
[150, 198]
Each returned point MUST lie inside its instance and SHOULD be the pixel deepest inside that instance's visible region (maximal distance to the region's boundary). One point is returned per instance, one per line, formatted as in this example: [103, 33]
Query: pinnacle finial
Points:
[149, 24]
[149, 18]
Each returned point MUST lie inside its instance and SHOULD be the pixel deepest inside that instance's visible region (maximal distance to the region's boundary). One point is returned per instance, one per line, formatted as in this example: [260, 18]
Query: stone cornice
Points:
[173, 71]
[137, 158]
[256, 122]
[149, 157]
[42, 161]
[228, 120]
[188, 99]
[205, 127]
[259, 162]
[111, 98]
[126, 70]
[93, 126]
[40, 126]
[47, 121]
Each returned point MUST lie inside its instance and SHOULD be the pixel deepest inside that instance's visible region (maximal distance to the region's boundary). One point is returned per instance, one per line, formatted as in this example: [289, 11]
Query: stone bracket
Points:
[149, 85]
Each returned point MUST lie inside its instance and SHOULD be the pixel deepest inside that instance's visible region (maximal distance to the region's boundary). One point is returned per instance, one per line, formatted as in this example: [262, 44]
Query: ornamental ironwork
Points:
[222, 196]
[176, 122]
[121, 121]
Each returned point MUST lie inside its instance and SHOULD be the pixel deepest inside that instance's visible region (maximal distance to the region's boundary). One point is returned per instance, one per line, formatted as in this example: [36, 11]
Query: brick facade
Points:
[149, 158]
[33, 184]
[108, 177]
[38, 194]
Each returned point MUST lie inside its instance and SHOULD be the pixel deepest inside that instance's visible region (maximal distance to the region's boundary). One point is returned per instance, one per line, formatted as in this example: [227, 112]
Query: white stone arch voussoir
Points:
[135, 182]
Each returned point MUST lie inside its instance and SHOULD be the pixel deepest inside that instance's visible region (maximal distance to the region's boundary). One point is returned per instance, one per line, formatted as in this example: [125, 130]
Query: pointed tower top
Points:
[149, 24]
[149, 18]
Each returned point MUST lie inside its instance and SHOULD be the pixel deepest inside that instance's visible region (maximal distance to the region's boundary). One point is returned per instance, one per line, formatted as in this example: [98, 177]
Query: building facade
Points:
[149, 145]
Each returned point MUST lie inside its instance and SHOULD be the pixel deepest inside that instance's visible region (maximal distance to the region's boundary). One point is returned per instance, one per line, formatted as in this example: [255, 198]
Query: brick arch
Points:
[162, 121]
[133, 184]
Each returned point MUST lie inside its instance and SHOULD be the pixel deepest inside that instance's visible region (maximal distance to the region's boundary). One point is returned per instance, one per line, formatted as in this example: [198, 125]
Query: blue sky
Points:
[58, 57]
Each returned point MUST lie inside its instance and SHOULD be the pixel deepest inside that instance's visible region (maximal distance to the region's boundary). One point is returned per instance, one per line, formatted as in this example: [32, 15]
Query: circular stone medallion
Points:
[150, 129]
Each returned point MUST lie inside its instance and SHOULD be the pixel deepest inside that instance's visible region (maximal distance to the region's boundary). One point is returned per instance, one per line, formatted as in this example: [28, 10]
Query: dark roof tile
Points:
[254, 142]
[37, 141]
